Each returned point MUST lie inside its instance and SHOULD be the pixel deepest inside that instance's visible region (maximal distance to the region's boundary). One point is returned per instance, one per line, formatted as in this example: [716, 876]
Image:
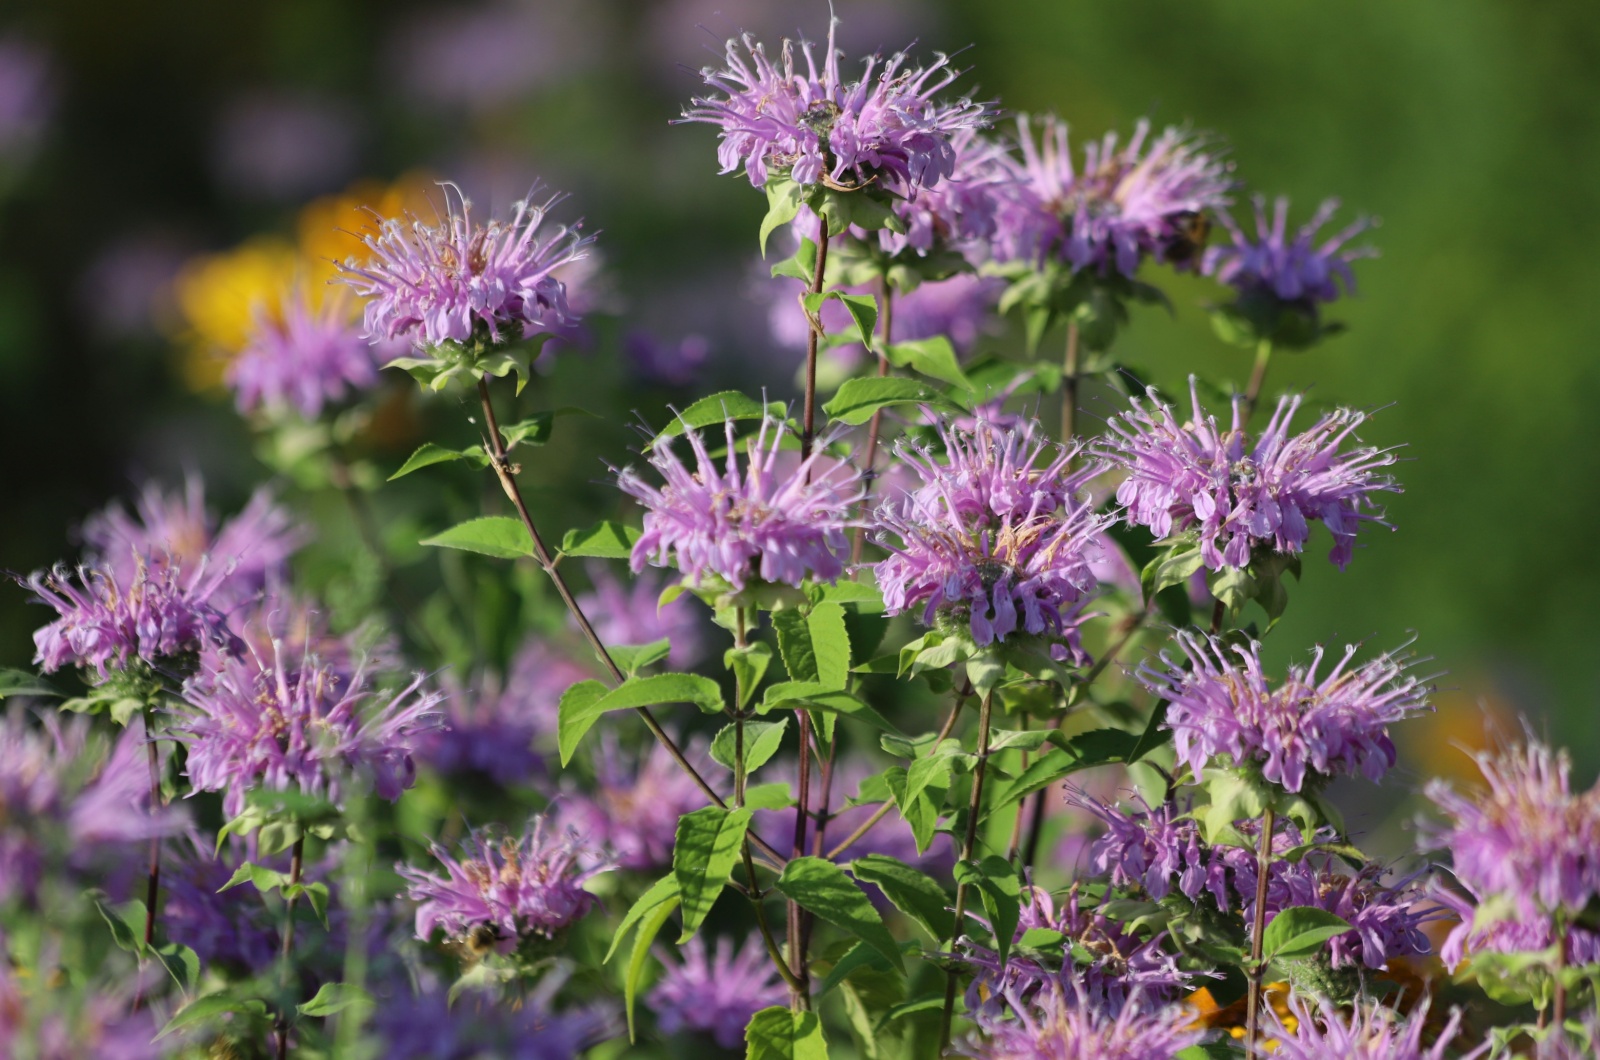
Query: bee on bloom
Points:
[1241, 499]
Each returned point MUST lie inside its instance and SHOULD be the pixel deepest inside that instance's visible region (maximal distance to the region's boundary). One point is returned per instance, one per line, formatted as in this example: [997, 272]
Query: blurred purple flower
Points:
[197, 912]
[716, 994]
[629, 614]
[483, 56]
[666, 363]
[453, 281]
[1290, 270]
[512, 888]
[1220, 703]
[1240, 500]
[991, 536]
[255, 724]
[305, 357]
[1126, 203]
[127, 288]
[749, 523]
[27, 96]
[960, 308]
[171, 530]
[1506, 930]
[57, 1018]
[285, 146]
[428, 1023]
[1527, 836]
[1371, 1031]
[887, 127]
[633, 808]
[1068, 1022]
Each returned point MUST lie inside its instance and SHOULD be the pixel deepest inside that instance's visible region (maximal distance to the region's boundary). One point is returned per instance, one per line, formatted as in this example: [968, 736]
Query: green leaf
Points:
[859, 956]
[796, 694]
[649, 928]
[920, 813]
[858, 399]
[576, 714]
[784, 198]
[1173, 567]
[182, 963]
[631, 658]
[580, 708]
[715, 411]
[821, 887]
[1155, 734]
[126, 922]
[815, 645]
[933, 357]
[775, 796]
[704, 852]
[912, 891]
[265, 880]
[1000, 889]
[1299, 931]
[749, 665]
[662, 891]
[761, 742]
[1094, 748]
[536, 429]
[607, 540]
[333, 998]
[863, 310]
[23, 683]
[499, 536]
[802, 266]
[778, 1034]
[428, 454]
[210, 1007]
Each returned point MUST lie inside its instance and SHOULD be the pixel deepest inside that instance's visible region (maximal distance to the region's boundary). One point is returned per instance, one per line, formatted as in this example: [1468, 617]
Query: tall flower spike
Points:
[1221, 703]
[1240, 498]
[716, 993]
[1126, 203]
[1527, 836]
[505, 888]
[745, 523]
[1291, 270]
[991, 536]
[455, 281]
[889, 128]
[256, 724]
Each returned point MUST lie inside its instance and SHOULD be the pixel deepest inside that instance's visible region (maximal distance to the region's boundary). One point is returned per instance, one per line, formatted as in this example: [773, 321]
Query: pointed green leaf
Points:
[933, 357]
[499, 536]
[778, 1034]
[210, 1007]
[576, 714]
[911, 891]
[581, 707]
[1299, 931]
[717, 410]
[749, 665]
[761, 742]
[784, 198]
[662, 891]
[631, 658]
[333, 998]
[23, 683]
[607, 540]
[858, 399]
[704, 852]
[859, 956]
[821, 887]
[649, 928]
[428, 454]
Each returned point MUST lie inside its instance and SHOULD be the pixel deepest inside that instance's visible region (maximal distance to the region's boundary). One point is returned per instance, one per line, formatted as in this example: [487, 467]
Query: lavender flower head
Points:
[1369, 1032]
[507, 888]
[257, 724]
[716, 994]
[1221, 703]
[433, 1023]
[959, 213]
[27, 96]
[749, 523]
[1239, 499]
[175, 530]
[628, 614]
[198, 913]
[1291, 270]
[304, 357]
[634, 806]
[991, 536]
[887, 128]
[1126, 203]
[452, 281]
[162, 618]
[1528, 836]
[1069, 1023]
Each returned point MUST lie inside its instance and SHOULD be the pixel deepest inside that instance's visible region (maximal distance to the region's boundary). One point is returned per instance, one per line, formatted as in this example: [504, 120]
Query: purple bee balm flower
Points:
[27, 96]
[1369, 1032]
[716, 994]
[161, 617]
[887, 128]
[1241, 499]
[284, 147]
[304, 357]
[667, 363]
[1527, 836]
[53, 1021]
[169, 529]
[632, 810]
[1069, 1023]
[958, 213]
[451, 281]
[505, 888]
[1126, 203]
[991, 537]
[629, 614]
[197, 912]
[255, 724]
[432, 1023]
[1498, 927]
[1220, 703]
[1290, 270]
[753, 523]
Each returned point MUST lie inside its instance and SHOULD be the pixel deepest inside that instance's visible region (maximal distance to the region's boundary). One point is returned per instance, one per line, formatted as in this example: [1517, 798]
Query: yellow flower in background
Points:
[331, 228]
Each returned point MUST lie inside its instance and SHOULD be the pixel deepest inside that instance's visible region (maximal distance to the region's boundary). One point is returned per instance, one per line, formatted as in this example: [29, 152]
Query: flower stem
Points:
[152, 890]
[1258, 927]
[1558, 1001]
[796, 916]
[813, 335]
[1022, 807]
[870, 473]
[967, 846]
[503, 470]
[296, 862]
[1258, 375]
[1069, 384]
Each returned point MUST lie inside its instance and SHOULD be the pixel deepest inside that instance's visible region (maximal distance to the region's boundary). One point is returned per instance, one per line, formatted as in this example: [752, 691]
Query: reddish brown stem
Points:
[1069, 384]
[870, 471]
[813, 335]
[1258, 927]
[967, 847]
[296, 863]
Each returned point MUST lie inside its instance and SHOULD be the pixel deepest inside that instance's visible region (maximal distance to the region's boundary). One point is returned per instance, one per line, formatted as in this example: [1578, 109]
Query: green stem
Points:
[1069, 384]
[1258, 375]
[813, 334]
[1258, 927]
[967, 847]
[296, 862]
[869, 473]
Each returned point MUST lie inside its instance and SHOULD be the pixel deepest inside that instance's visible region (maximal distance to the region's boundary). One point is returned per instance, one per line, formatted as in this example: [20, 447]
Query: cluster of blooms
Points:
[1193, 476]
[1220, 703]
[1369, 1032]
[758, 522]
[505, 888]
[716, 993]
[887, 128]
[432, 1023]
[198, 913]
[1289, 270]
[254, 723]
[1161, 850]
[991, 537]
[1126, 203]
[1068, 1022]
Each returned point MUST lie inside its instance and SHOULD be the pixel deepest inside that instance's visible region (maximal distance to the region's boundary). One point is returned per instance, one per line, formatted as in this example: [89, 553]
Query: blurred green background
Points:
[1472, 128]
